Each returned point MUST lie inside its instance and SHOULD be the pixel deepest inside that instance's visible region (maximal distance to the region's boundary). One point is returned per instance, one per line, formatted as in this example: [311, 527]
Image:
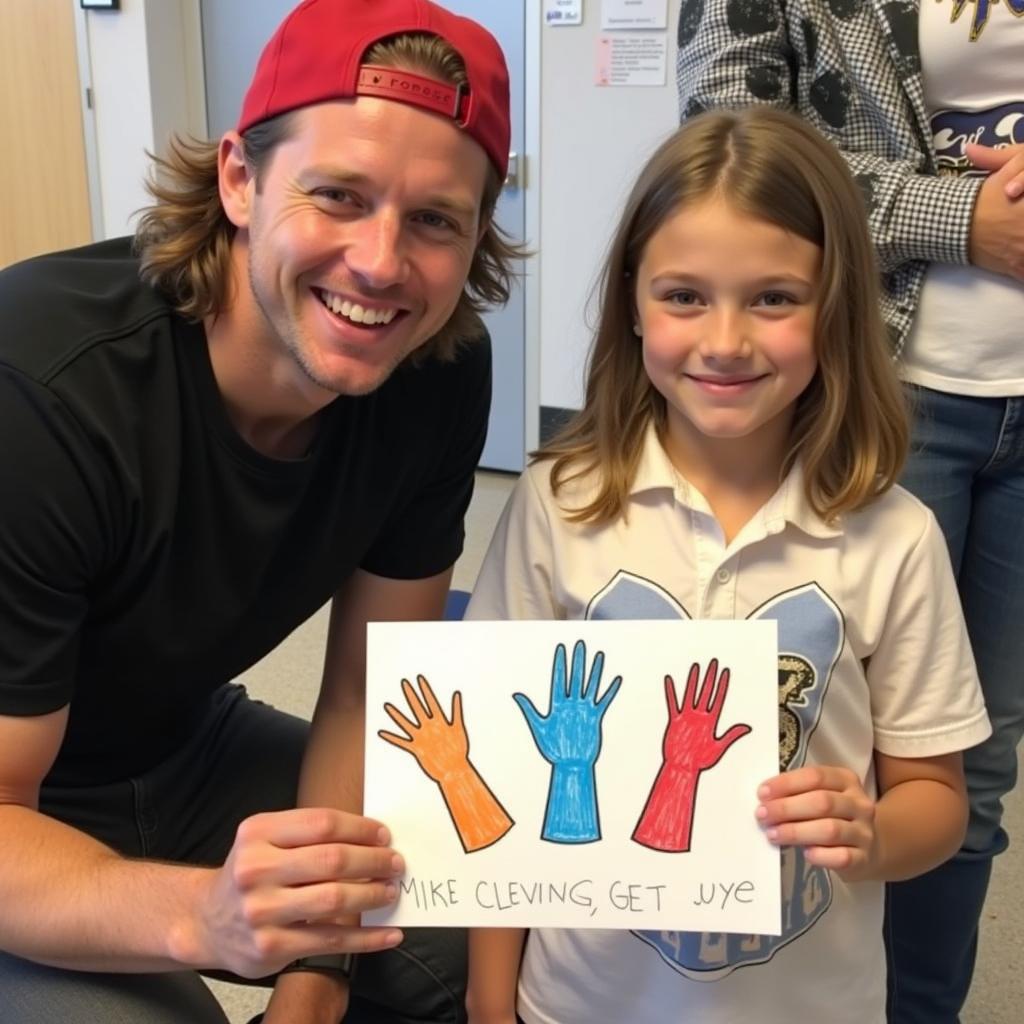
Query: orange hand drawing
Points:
[441, 747]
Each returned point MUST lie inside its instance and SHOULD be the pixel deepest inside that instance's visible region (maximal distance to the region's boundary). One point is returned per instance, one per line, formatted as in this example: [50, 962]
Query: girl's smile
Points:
[725, 386]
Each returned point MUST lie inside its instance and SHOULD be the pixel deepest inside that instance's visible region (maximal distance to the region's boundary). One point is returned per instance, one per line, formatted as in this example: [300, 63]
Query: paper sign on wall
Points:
[632, 60]
[619, 14]
[576, 774]
[563, 12]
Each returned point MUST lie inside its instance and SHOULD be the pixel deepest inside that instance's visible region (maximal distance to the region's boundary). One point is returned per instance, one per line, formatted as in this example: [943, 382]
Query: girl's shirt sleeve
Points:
[515, 580]
[925, 695]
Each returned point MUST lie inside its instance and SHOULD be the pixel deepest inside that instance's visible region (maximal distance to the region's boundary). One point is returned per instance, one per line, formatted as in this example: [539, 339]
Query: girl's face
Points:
[727, 306]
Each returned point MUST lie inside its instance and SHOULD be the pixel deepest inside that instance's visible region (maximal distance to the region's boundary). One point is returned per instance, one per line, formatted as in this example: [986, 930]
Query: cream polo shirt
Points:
[873, 654]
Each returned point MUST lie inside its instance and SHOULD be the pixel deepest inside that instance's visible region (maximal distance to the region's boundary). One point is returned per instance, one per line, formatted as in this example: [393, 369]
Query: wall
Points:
[593, 141]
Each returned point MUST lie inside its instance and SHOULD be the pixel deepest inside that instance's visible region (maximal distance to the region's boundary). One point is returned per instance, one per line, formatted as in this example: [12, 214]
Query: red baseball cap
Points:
[316, 55]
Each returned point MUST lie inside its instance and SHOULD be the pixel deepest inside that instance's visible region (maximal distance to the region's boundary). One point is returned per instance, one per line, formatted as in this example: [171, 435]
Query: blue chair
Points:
[455, 604]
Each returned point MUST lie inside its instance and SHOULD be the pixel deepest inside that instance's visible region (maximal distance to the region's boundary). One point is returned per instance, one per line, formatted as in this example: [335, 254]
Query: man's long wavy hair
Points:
[850, 430]
[184, 239]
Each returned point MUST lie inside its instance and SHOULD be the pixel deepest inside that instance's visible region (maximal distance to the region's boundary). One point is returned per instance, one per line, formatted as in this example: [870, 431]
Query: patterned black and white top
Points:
[852, 68]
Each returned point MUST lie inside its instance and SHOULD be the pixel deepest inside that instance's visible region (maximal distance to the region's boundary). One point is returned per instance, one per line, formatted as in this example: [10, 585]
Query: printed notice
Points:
[619, 14]
[563, 12]
[632, 60]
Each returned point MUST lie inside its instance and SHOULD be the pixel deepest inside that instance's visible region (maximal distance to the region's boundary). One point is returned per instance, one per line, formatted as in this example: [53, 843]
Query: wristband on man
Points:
[336, 964]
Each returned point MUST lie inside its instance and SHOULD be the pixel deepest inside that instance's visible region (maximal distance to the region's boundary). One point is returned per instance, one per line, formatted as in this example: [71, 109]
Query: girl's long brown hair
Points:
[851, 426]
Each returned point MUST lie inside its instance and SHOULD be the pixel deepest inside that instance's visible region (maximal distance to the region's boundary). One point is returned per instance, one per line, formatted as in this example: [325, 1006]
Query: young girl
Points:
[735, 458]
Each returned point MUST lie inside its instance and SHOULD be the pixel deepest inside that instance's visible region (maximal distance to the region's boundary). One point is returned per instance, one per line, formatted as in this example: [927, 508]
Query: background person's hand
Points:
[994, 158]
[288, 877]
[997, 229]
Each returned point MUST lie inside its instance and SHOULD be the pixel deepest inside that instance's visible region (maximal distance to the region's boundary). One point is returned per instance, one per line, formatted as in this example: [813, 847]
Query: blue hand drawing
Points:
[569, 738]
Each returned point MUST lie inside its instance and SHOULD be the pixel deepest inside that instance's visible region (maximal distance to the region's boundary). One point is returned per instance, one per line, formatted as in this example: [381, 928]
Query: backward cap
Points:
[316, 55]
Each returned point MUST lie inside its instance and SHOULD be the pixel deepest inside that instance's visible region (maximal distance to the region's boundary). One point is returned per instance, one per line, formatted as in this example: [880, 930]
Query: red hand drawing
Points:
[441, 747]
[690, 747]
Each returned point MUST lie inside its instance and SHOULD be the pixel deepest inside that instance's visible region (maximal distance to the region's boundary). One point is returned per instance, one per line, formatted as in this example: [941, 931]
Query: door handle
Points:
[513, 179]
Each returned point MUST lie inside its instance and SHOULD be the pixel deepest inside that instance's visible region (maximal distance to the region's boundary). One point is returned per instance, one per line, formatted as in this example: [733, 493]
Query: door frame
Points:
[532, 112]
[92, 162]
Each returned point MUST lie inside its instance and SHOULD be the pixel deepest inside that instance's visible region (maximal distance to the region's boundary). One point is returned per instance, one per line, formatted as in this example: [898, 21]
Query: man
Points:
[281, 398]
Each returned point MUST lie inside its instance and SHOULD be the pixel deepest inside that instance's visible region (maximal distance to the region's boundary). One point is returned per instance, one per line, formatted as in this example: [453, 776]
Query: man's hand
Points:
[997, 230]
[825, 810]
[288, 877]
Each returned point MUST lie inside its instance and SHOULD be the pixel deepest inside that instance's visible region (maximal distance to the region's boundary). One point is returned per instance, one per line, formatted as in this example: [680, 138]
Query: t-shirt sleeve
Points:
[425, 535]
[50, 546]
[515, 580]
[925, 695]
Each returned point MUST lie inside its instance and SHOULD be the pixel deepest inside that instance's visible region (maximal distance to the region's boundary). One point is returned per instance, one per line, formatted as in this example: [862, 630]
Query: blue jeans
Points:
[967, 465]
[243, 757]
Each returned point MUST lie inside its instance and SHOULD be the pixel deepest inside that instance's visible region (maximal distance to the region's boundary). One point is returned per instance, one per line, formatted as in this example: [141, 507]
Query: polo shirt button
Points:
[723, 575]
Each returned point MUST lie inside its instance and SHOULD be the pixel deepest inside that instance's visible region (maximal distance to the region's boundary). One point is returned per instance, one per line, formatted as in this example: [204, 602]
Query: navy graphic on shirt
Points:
[953, 129]
[982, 12]
[811, 637]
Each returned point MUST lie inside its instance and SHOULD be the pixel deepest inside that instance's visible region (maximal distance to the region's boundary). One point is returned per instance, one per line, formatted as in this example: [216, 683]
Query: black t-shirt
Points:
[147, 553]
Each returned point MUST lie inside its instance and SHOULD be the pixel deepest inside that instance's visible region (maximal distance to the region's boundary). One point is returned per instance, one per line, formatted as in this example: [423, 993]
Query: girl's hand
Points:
[824, 809]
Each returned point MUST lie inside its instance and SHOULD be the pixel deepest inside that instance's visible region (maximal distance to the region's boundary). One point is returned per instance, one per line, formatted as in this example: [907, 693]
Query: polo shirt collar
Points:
[787, 505]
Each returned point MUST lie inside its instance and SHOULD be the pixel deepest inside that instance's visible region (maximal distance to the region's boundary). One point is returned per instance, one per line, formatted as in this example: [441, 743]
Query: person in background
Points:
[276, 396]
[735, 458]
[925, 102]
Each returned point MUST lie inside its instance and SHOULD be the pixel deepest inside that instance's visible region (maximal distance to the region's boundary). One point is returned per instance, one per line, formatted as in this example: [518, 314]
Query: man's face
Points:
[361, 235]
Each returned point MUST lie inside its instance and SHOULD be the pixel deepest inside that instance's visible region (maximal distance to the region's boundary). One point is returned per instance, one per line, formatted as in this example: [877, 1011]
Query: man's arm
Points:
[332, 771]
[72, 902]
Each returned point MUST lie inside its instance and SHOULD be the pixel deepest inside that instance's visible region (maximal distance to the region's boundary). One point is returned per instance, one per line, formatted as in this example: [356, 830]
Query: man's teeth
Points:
[356, 313]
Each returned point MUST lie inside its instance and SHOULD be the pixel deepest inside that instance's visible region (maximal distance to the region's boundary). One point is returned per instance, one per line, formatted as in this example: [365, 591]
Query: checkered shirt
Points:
[852, 68]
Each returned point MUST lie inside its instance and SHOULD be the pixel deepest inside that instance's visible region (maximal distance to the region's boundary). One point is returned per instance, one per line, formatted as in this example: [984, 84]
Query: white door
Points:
[234, 32]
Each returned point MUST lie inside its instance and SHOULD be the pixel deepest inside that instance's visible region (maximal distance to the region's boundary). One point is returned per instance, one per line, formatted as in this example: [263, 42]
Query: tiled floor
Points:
[289, 677]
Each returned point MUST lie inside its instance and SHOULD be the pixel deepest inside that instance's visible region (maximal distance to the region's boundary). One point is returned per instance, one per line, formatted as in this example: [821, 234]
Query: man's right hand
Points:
[288, 878]
[997, 230]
